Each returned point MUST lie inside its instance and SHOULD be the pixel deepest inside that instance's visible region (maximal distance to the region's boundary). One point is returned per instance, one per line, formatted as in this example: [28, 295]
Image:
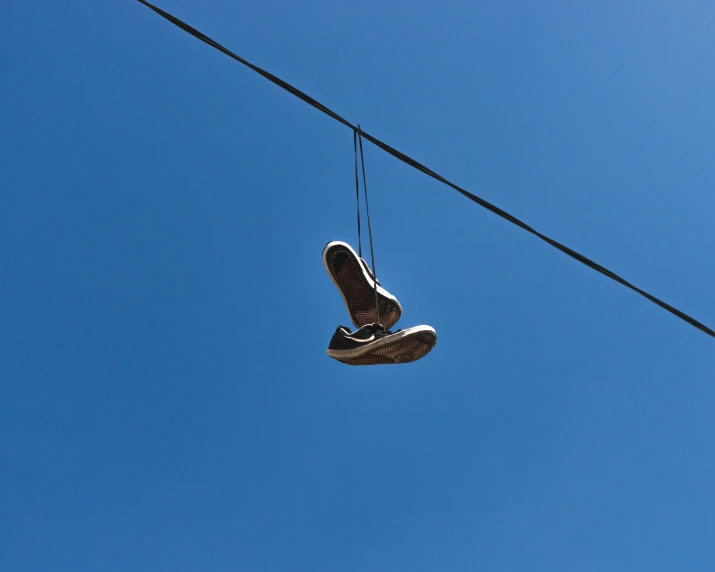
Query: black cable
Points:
[427, 171]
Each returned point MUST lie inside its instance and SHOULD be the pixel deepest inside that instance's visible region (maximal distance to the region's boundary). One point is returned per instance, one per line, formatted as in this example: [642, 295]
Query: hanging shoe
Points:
[356, 283]
[373, 345]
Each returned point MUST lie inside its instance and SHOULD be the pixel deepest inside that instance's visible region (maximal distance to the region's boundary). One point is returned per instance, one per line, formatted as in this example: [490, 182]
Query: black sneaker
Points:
[372, 345]
[356, 283]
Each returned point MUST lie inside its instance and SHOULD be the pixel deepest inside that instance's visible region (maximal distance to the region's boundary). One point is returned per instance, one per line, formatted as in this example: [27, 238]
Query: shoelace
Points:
[357, 137]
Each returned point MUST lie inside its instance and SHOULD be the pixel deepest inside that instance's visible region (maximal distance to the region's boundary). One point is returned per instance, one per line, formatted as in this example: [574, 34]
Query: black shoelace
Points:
[357, 136]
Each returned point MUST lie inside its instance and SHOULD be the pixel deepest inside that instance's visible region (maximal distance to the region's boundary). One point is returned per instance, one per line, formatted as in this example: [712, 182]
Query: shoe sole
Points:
[357, 288]
[401, 347]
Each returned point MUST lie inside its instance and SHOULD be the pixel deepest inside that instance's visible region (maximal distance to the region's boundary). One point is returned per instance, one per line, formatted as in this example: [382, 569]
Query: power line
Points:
[429, 172]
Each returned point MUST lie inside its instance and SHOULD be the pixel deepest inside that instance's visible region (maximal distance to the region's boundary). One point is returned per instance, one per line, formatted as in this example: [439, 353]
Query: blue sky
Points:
[165, 398]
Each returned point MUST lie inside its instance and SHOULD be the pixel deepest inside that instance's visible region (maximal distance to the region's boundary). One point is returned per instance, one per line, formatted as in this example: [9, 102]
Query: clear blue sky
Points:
[165, 398]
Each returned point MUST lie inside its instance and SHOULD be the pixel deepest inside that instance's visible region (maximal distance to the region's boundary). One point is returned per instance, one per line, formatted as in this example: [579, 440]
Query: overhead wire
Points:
[429, 172]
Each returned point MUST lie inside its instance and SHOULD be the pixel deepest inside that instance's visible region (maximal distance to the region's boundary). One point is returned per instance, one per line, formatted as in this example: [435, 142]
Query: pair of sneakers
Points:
[372, 343]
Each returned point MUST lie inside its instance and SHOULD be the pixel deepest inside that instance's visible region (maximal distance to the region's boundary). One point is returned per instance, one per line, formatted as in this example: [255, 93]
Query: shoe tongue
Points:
[375, 328]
